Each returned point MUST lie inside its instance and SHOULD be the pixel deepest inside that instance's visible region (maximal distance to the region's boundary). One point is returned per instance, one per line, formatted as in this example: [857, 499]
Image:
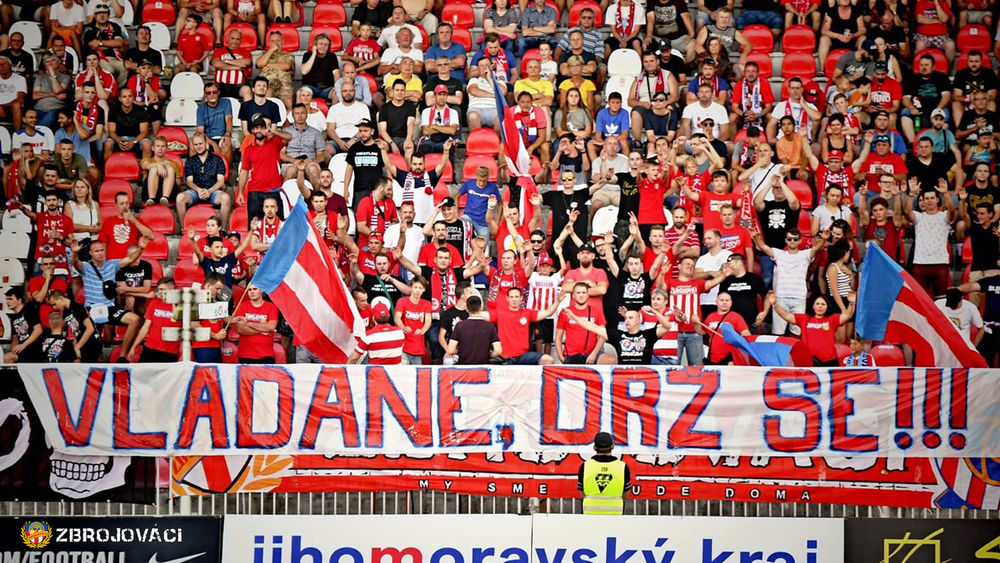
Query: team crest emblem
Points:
[36, 535]
[603, 480]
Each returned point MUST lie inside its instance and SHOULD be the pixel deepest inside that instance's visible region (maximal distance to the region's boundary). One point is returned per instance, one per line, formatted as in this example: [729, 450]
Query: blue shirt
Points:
[511, 61]
[214, 119]
[477, 199]
[612, 125]
[455, 50]
[80, 146]
[693, 85]
[93, 284]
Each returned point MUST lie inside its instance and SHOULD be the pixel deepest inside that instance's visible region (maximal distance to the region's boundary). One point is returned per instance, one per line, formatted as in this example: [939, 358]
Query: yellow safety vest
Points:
[603, 486]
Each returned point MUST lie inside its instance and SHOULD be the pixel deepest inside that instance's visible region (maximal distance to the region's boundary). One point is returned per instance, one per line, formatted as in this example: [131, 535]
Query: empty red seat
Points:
[161, 12]
[186, 274]
[205, 31]
[197, 216]
[831, 61]
[248, 35]
[336, 40]
[474, 162]
[462, 36]
[581, 5]
[763, 60]
[122, 165]
[157, 249]
[940, 61]
[110, 188]
[289, 33]
[458, 15]
[431, 161]
[177, 139]
[176, 158]
[157, 271]
[802, 192]
[797, 39]
[372, 85]
[760, 37]
[329, 13]
[159, 218]
[888, 355]
[239, 221]
[801, 65]
[483, 141]
[529, 55]
[974, 37]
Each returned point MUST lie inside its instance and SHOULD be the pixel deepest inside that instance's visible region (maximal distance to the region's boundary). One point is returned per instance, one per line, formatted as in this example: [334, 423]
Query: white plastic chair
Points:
[128, 16]
[14, 244]
[16, 221]
[237, 123]
[604, 220]
[11, 272]
[5, 143]
[338, 166]
[623, 85]
[159, 36]
[187, 85]
[182, 112]
[76, 59]
[32, 32]
[624, 61]
[282, 112]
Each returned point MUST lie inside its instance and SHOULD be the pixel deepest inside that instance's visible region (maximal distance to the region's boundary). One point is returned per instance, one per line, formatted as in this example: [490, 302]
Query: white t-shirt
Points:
[798, 114]
[67, 17]
[11, 87]
[347, 118]
[827, 217]
[930, 238]
[393, 55]
[485, 85]
[414, 240]
[790, 272]
[434, 116]
[638, 16]
[696, 113]
[708, 263]
[388, 36]
[42, 140]
[761, 179]
[618, 164]
[967, 315]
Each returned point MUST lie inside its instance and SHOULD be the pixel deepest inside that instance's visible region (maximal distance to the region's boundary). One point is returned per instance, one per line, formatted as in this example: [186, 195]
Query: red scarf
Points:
[518, 281]
[500, 65]
[803, 116]
[442, 290]
[527, 125]
[89, 115]
[620, 25]
[747, 157]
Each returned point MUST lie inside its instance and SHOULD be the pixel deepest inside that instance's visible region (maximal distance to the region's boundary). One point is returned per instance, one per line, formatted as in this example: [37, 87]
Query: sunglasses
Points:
[537, 241]
[791, 239]
[659, 99]
[568, 178]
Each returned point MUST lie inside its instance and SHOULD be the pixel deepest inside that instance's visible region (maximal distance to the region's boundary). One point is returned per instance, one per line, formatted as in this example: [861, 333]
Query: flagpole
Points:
[238, 303]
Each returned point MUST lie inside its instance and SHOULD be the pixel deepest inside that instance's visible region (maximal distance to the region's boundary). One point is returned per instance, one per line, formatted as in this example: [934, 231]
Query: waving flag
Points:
[516, 153]
[766, 353]
[894, 308]
[299, 275]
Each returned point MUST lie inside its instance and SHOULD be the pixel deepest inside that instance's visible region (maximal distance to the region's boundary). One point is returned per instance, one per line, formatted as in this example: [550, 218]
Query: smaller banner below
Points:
[922, 541]
[896, 482]
[111, 539]
[31, 471]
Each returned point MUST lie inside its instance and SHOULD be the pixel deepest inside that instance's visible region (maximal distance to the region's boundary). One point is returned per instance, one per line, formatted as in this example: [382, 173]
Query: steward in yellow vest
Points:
[603, 480]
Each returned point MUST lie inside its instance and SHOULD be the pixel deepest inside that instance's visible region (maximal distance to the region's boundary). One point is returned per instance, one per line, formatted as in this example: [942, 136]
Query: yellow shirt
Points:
[414, 84]
[586, 90]
[540, 86]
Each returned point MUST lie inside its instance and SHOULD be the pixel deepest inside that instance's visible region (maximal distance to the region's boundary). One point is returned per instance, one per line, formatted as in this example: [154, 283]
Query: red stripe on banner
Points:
[977, 487]
[917, 299]
[306, 328]
[958, 413]
[949, 468]
[310, 261]
[904, 398]
[932, 398]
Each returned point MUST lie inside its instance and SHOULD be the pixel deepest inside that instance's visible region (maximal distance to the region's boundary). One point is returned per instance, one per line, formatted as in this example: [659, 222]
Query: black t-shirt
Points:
[136, 55]
[927, 89]
[633, 348]
[395, 117]
[368, 168]
[928, 174]
[587, 57]
[224, 267]
[321, 73]
[895, 35]
[629, 199]
[429, 273]
[985, 246]
[22, 324]
[268, 109]
[384, 289]
[991, 299]
[635, 292]
[91, 32]
[970, 121]
[135, 274]
[977, 195]
[475, 339]
[456, 235]
[450, 319]
[982, 81]
[55, 348]
[75, 318]
[378, 16]
[561, 204]
[453, 84]
[745, 290]
[775, 220]
[23, 63]
[127, 123]
[667, 22]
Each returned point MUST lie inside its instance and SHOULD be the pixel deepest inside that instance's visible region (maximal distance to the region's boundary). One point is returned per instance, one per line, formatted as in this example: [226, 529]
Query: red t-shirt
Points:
[364, 51]
[377, 215]
[52, 230]
[596, 275]
[844, 179]
[818, 334]
[578, 339]
[718, 347]
[118, 234]
[927, 9]
[36, 283]
[886, 92]
[892, 163]
[214, 326]
[266, 232]
[192, 46]
[413, 316]
[686, 296]
[711, 202]
[107, 80]
[255, 346]
[428, 252]
[698, 184]
[514, 328]
[261, 161]
[160, 315]
[651, 200]
[735, 239]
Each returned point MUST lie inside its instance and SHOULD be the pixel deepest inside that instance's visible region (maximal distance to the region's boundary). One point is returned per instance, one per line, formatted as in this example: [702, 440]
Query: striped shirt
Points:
[233, 76]
[93, 284]
[542, 290]
[684, 295]
[666, 345]
[790, 272]
[384, 345]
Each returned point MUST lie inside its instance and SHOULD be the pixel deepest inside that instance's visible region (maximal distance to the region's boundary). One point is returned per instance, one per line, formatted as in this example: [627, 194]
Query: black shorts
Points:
[267, 360]
[116, 314]
[151, 356]
[542, 330]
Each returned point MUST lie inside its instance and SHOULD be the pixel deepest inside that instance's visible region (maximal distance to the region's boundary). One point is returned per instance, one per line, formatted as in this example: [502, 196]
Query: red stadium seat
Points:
[581, 5]
[157, 268]
[425, 41]
[801, 65]
[159, 218]
[321, 105]
[197, 215]
[431, 161]
[157, 249]
[940, 61]
[763, 60]
[186, 273]
[473, 162]
[289, 33]
[811, 91]
[831, 61]
[329, 13]
[974, 37]
[529, 55]
[205, 31]
[741, 135]
[185, 248]
[805, 226]
[535, 167]
[239, 221]
[888, 355]
[843, 350]
[372, 85]
[248, 35]
[399, 161]
[111, 187]
[483, 141]
[161, 12]
[336, 40]
[122, 165]
[280, 357]
[963, 61]
[760, 37]
[459, 15]
[967, 250]
[462, 36]
[797, 39]
[177, 139]
[802, 191]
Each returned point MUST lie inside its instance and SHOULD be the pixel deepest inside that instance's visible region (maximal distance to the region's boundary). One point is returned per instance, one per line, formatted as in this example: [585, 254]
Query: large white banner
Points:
[652, 539]
[462, 538]
[187, 409]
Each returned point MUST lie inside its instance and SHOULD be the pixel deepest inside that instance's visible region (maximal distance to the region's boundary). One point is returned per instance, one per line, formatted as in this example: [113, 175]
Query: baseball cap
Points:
[836, 154]
[235, 234]
[881, 138]
[881, 66]
[448, 202]
[365, 123]
[938, 112]
[258, 122]
[870, 46]
[587, 247]
[440, 88]
[375, 235]
[545, 259]
[145, 62]
[102, 8]
[603, 441]
[380, 311]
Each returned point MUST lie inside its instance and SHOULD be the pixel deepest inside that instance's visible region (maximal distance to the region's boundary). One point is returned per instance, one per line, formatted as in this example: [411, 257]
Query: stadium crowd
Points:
[678, 179]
